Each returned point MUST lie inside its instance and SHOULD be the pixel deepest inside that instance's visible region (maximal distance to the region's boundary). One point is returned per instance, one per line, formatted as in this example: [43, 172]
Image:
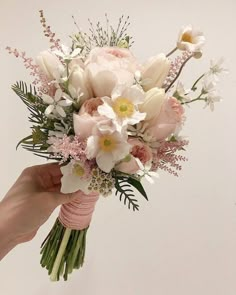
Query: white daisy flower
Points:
[122, 107]
[57, 103]
[107, 145]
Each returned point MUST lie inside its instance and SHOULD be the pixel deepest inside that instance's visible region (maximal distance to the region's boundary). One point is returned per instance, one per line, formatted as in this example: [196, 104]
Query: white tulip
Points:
[79, 83]
[155, 71]
[50, 65]
[153, 102]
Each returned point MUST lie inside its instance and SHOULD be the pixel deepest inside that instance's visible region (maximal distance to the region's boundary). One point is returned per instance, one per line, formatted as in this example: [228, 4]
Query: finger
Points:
[47, 175]
[60, 199]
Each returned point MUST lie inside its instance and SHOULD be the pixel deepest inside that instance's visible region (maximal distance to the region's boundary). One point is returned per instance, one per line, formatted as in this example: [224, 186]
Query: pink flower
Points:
[84, 124]
[90, 106]
[138, 150]
[169, 119]
[109, 66]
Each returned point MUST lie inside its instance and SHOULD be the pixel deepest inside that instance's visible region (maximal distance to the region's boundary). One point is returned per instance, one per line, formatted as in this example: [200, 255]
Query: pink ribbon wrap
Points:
[78, 214]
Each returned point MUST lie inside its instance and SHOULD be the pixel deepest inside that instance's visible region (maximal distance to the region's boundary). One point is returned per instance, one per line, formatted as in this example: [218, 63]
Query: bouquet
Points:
[108, 120]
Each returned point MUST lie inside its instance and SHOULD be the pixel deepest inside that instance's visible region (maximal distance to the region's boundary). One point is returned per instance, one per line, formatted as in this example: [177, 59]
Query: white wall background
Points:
[183, 242]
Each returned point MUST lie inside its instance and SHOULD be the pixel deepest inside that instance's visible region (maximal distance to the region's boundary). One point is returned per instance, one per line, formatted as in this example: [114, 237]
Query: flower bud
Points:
[153, 102]
[155, 71]
[50, 65]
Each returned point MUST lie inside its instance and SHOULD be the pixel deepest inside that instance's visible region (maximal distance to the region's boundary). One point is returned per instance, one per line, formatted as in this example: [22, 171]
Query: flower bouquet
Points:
[109, 120]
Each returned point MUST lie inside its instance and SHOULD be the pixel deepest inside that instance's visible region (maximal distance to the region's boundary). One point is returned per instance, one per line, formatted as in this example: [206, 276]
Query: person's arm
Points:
[6, 241]
[29, 203]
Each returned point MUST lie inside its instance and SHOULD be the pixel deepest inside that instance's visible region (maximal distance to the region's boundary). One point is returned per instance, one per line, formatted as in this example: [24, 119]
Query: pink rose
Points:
[169, 119]
[138, 150]
[109, 66]
[84, 124]
[90, 106]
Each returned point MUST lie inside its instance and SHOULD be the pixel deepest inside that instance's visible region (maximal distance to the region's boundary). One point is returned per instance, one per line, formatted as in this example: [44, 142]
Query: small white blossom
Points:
[211, 99]
[57, 103]
[209, 85]
[216, 68]
[183, 92]
[67, 54]
[145, 171]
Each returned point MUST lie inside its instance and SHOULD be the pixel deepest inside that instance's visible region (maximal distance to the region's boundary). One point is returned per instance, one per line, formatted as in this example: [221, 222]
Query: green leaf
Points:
[138, 185]
[126, 193]
[24, 140]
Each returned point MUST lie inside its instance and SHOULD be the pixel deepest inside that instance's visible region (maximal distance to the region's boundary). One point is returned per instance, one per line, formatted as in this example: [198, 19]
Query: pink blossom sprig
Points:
[48, 33]
[28, 63]
[39, 78]
[176, 69]
[166, 157]
[68, 147]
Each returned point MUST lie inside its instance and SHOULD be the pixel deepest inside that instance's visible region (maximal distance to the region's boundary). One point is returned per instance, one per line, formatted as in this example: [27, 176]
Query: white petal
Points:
[49, 109]
[92, 147]
[149, 179]
[47, 99]
[60, 111]
[153, 174]
[107, 111]
[76, 52]
[64, 103]
[70, 182]
[58, 95]
[140, 164]
[105, 161]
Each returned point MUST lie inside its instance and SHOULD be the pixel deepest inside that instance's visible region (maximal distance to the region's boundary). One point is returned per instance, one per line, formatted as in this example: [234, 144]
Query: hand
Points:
[29, 203]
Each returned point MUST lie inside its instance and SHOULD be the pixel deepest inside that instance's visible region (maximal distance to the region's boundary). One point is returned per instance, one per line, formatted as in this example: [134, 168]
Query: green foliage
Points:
[123, 188]
[36, 142]
[100, 36]
[33, 102]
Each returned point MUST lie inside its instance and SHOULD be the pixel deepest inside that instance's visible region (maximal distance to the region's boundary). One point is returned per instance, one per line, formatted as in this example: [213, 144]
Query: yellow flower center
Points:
[187, 37]
[78, 170]
[107, 143]
[123, 107]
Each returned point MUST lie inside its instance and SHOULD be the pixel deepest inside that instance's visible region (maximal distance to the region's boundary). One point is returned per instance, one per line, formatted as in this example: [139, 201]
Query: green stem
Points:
[56, 265]
[75, 252]
[180, 71]
[196, 99]
[195, 84]
[171, 52]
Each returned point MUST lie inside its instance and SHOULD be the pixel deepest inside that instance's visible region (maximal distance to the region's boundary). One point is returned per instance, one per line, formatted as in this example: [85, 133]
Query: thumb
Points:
[60, 198]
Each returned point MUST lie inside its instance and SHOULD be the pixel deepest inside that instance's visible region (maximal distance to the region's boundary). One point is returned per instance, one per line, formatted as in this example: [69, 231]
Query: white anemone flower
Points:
[74, 178]
[145, 171]
[57, 103]
[190, 39]
[122, 107]
[107, 145]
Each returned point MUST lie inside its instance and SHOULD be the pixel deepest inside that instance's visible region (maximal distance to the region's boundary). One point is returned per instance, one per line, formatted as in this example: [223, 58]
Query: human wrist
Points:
[7, 241]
